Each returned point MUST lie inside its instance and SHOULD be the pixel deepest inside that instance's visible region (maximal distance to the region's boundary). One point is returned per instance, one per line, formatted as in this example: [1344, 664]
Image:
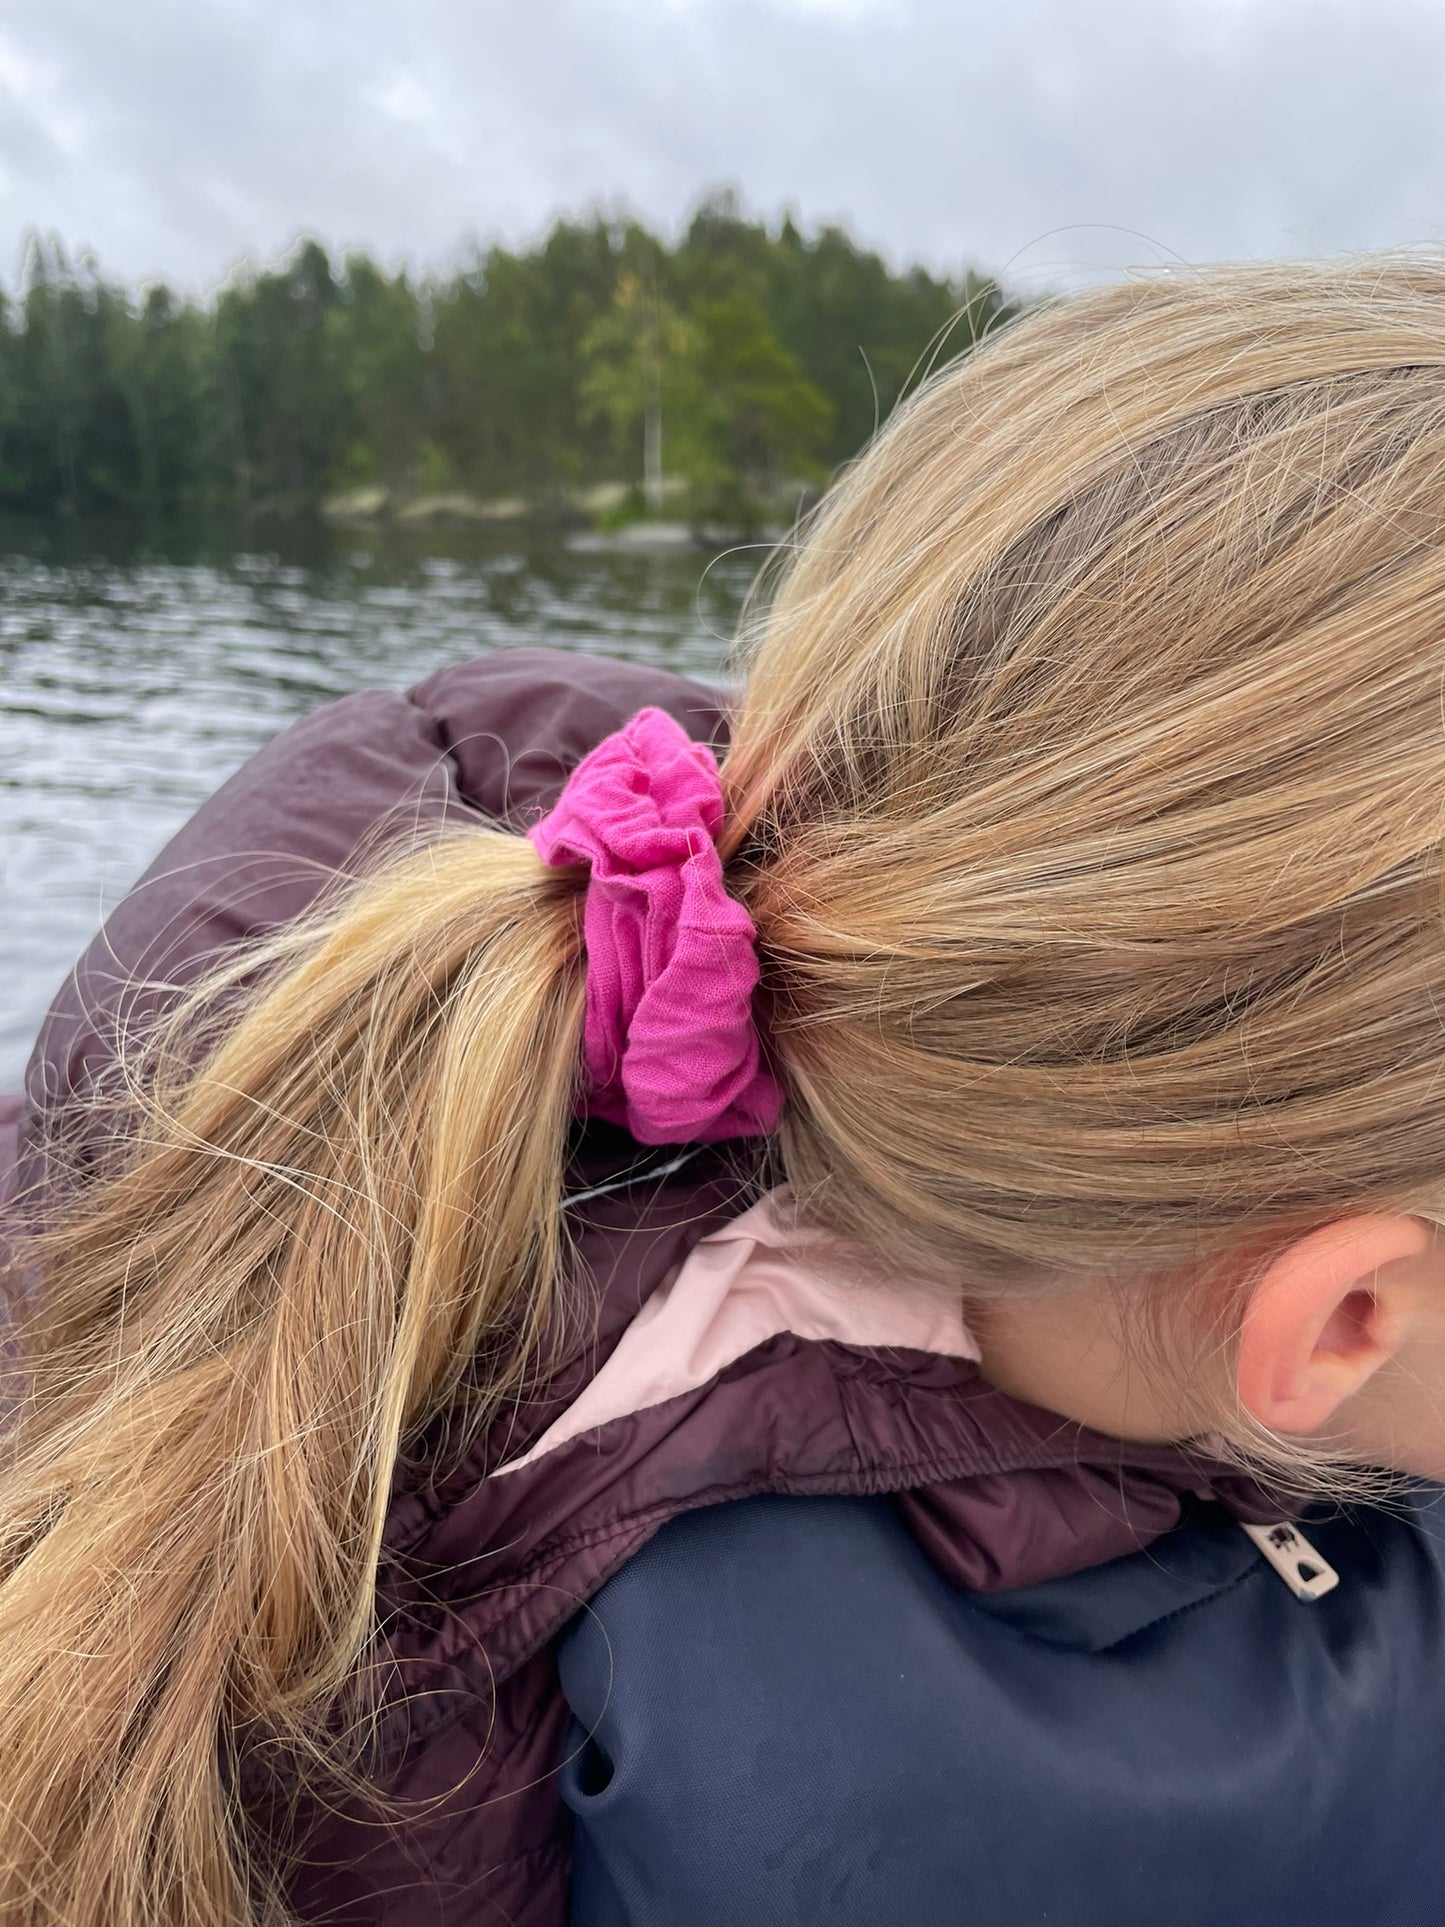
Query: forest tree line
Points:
[741, 355]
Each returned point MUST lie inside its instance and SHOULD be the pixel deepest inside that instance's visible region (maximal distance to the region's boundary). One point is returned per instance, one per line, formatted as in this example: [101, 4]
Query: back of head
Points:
[1085, 792]
[1088, 784]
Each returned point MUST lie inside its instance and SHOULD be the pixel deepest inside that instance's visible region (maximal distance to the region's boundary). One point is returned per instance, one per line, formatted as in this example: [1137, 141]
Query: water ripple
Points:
[130, 690]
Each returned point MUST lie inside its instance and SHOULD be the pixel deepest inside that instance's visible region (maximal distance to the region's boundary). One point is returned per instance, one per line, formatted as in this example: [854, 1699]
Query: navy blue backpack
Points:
[784, 1714]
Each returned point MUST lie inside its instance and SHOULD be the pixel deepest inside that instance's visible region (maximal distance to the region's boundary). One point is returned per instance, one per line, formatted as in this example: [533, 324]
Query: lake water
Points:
[134, 679]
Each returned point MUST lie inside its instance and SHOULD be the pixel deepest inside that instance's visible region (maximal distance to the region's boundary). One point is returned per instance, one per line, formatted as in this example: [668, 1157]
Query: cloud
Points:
[1050, 140]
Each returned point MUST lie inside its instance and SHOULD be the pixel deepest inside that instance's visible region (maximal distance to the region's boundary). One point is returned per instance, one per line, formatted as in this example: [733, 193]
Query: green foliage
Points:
[375, 342]
[641, 372]
[282, 345]
[743, 358]
[766, 416]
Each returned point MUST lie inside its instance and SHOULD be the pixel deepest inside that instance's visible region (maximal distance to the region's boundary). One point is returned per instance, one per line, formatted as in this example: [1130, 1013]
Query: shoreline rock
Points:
[375, 504]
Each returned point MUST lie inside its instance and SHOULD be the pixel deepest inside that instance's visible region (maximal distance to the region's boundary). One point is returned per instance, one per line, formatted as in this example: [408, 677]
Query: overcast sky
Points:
[1047, 140]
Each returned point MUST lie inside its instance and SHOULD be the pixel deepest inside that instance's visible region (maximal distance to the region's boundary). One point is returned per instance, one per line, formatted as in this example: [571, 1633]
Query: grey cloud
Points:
[31, 160]
[1050, 140]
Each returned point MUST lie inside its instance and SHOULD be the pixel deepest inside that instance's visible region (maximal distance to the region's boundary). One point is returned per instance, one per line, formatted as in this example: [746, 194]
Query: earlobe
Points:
[1325, 1315]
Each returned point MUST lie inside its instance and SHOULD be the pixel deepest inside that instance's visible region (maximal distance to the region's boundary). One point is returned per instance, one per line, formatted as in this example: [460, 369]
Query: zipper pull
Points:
[1307, 1573]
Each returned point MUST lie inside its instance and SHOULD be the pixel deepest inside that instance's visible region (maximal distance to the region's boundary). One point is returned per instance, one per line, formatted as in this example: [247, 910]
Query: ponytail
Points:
[228, 1338]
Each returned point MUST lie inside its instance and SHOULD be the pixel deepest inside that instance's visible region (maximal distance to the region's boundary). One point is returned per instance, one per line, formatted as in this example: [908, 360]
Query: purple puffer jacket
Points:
[479, 1575]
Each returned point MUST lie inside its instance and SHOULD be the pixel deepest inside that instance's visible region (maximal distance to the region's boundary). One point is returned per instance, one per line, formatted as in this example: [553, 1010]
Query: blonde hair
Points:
[1089, 785]
[1086, 791]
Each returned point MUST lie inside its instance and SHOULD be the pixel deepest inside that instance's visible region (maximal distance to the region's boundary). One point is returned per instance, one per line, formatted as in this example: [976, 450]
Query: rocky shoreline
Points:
[586, 515]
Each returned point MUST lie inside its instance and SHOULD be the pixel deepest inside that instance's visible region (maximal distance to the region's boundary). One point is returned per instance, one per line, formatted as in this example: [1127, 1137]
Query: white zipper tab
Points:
[1307, 1573]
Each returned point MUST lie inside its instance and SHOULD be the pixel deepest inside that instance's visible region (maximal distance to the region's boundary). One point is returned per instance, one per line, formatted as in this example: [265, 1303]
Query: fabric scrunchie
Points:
[670, 1047]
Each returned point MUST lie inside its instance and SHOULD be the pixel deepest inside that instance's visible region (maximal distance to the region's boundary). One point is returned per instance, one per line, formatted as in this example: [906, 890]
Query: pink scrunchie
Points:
[670, 1047]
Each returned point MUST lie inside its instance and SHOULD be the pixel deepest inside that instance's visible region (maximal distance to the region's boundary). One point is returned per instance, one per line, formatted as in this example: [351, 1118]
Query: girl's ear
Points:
[1326, 1314]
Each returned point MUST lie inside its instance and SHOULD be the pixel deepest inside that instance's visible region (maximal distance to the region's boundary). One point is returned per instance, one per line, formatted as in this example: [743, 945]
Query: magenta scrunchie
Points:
[670, 1047]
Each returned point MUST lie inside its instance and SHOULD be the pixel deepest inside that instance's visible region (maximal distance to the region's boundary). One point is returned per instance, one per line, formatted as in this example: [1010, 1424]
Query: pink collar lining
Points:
[757, 1277]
